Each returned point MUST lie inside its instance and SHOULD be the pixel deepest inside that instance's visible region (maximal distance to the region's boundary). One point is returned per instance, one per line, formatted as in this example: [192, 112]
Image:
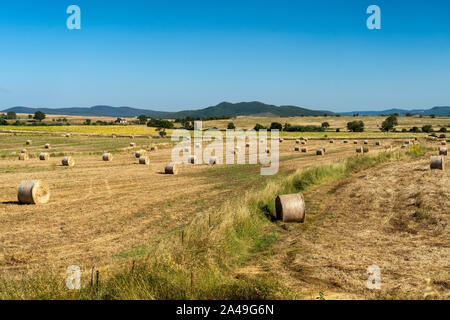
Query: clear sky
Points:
[172, 55]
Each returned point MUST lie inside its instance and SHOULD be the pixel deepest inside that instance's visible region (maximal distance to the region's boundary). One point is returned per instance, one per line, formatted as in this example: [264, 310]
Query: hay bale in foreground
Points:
[44, 156]
[140, 153]
[320, 152]
[47, 146]
[359, 149]
[107, 157]
[290, 207]
[29, 142]
[144, 160]
[68, 161]
[24, 156]
[33, 192]
[437, 162]
[171, 168]
[443, 151]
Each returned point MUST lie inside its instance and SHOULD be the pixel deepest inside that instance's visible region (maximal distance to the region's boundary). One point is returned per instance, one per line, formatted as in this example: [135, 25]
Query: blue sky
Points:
[172, 55]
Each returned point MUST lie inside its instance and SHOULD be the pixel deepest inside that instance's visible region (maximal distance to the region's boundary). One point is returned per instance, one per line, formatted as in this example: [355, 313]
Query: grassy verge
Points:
[201, 261]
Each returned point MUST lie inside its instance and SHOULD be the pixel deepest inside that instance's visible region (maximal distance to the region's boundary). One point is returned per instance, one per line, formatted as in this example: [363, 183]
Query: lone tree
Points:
[231, 126]
[162, 133]
[355, 126]
[276, 126]
[142, 119]
[427, 128]
[11, 115]
[325, 125]
[38, 115]
[390, 123]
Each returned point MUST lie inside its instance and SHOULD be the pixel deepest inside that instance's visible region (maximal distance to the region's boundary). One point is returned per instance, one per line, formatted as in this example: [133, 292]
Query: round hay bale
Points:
[33, 192]
[366, 149]
[247, 145]
[107, 157]
[324, 149]
[377, 143]
[68, 161]
[13, 153]
[171, 168]
[403, 146]
[406, 141]
[144, 160]
[437, 162]
[68, 135]
[320, 152]
[267, 150]
[191, 159]
[345, 141]
[261, 140]
[24, 151]
[281, 140]
[443, 151]
[296, 148]
[114, 136]
[355, 141]
[140, 153]
[44, 156]
[304, 150]
[132, 144]
[303, 142]
[237, 149]
[212, 160]
[187, 149]
[331, 141]
[297, 141]
[366, 141]
[24, 156]
[443, 143]
[197, 146]
[29, 142]
[47, 146]
[290, 207]
[154, 149]
[359, 149]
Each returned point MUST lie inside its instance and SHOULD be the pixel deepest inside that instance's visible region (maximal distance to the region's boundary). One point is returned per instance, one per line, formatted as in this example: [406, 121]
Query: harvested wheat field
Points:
[104, 213]
[395, 216]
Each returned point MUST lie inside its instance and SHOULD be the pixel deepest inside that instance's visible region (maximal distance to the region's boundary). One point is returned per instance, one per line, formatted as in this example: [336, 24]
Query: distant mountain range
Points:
[438, 111]
[228, 109]
[222, 109]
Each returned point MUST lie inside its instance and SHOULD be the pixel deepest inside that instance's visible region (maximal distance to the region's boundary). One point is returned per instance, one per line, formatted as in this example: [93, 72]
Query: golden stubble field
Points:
[101, 213]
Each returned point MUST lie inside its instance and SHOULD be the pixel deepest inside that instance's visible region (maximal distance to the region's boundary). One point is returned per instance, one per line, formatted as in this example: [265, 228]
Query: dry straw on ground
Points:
[68, 161]
[107, 157]
[437, 162]
[290, 207]
[171, 168]
[33, 192]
